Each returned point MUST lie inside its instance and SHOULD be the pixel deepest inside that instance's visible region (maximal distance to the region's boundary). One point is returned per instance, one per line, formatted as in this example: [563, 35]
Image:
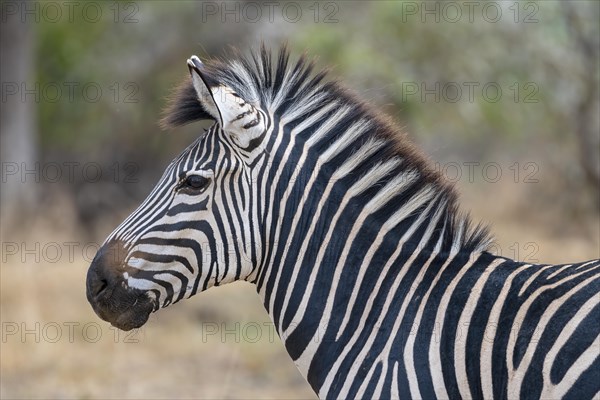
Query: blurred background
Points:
[503, 97]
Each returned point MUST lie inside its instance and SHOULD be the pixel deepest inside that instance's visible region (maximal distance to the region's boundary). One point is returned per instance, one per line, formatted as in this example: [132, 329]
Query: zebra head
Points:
[179, 240]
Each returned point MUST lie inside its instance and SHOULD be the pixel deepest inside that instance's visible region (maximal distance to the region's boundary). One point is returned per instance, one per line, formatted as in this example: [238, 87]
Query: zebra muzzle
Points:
[109, 295]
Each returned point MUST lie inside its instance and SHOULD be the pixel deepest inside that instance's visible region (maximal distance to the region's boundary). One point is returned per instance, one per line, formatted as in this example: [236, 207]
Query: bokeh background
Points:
[503, 96]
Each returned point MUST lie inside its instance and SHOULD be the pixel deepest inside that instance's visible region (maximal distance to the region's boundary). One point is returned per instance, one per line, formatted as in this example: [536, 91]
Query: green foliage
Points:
[376, 48]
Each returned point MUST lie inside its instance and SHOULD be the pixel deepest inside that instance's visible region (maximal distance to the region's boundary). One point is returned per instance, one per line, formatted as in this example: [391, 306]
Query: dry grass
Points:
[532, 228]
[169, 358]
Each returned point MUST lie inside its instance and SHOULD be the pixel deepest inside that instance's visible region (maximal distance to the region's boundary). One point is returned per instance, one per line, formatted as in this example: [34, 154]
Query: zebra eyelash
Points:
[193, 184]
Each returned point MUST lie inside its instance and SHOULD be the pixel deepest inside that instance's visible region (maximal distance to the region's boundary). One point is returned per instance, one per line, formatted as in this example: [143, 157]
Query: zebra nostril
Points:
[99, 286]
[103, 274]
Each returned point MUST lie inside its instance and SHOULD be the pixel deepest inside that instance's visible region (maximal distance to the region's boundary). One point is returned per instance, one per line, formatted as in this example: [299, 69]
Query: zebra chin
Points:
[109, 295]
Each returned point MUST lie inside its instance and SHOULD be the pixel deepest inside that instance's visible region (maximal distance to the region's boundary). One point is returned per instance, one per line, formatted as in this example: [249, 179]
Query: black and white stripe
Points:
[377, 285]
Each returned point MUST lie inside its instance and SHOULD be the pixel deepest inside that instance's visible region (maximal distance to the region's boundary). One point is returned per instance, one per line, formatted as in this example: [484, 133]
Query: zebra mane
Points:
[295, 90]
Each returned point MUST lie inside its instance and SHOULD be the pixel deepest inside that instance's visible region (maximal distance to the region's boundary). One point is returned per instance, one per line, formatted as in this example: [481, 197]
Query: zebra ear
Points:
[192, 101]
[202, 83]
[243, 122]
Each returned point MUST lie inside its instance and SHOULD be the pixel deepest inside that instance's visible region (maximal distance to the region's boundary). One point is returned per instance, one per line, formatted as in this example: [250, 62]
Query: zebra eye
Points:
[195, 182]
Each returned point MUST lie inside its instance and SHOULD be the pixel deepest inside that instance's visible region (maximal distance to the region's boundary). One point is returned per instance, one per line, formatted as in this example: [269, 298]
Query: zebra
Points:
[377, 283]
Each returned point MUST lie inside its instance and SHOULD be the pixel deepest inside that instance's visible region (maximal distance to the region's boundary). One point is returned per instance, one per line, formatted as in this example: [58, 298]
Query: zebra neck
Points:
[331, 255]
[326, 312]
[342, 215]
[353, 318]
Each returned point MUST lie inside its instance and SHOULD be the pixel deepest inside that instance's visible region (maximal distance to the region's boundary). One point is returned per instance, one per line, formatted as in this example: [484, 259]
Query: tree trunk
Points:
[18, 138]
